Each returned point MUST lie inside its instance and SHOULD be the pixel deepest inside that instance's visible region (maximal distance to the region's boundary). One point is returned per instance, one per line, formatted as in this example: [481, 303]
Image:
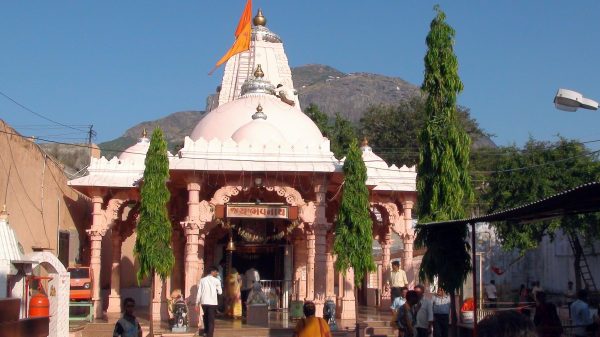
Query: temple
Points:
[255, 185]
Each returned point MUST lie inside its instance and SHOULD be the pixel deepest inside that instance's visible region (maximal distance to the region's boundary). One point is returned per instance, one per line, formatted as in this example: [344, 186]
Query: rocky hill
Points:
[349, 94]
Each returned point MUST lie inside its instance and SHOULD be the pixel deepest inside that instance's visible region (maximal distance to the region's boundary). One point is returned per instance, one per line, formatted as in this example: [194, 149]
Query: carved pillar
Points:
[191, 229]
[321, 227]
[408, 240]
[320, 283]
[330, 286]
[348, 302]
[157, 298]
[299, 270]
[386, 243]
[96, 233]
[114, 299]
[310, 265]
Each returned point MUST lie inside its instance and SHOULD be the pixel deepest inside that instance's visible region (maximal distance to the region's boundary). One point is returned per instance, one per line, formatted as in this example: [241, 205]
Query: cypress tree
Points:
[443, 183]
[353, 228]
[153, 242]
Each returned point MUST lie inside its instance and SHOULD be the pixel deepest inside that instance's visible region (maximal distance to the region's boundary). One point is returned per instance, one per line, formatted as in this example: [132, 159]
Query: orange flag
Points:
[242, 36]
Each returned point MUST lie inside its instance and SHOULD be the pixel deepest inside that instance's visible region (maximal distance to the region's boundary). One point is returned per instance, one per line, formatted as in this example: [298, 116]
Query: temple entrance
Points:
[267, 259]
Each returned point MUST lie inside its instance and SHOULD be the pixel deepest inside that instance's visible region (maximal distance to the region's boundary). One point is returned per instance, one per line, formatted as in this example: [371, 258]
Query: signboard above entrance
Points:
[261, 211]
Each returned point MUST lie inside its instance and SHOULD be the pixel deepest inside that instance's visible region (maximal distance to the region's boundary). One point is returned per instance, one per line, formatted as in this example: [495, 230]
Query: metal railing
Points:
[278, 292]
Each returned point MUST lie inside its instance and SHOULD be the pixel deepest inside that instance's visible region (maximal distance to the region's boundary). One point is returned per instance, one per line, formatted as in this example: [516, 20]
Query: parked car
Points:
[81, 283]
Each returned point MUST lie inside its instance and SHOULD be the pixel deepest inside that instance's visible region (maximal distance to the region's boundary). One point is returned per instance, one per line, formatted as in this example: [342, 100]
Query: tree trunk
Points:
[151, 332]
[453, 314]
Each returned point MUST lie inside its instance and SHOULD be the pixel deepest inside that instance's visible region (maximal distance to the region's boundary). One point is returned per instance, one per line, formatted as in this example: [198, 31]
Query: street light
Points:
[569, 100]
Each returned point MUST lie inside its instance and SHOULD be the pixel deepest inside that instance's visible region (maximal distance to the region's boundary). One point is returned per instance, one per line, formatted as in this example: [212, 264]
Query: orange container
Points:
[39, 305]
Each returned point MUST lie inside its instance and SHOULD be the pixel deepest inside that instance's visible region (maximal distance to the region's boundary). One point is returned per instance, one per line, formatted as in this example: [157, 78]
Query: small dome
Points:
[137, 151]
[259, 131]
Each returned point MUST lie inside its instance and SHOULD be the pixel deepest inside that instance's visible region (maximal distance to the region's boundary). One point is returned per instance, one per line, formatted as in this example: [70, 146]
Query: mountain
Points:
[349, 94]
[175, 127]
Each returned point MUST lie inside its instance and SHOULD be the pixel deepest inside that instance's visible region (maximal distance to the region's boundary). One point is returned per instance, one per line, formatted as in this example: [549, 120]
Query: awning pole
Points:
[474, 277]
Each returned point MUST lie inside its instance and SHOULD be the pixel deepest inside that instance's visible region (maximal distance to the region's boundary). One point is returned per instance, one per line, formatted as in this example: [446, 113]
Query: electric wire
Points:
[38, 114]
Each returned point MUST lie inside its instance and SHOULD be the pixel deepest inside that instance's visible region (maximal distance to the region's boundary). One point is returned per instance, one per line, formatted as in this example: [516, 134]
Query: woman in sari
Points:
[311, 326]
[234, 295]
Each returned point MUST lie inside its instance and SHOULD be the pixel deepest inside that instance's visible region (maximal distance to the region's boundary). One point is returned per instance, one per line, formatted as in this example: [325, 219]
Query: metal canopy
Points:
[581, 199]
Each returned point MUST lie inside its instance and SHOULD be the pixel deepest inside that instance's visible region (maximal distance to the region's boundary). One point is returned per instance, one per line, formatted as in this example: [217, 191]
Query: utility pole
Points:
[91, 134]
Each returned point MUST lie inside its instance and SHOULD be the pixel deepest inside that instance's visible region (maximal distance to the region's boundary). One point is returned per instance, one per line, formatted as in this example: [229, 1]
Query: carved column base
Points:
[98, 314]
[347, 309]
[114, 303]
[157, 309]
[319, 304]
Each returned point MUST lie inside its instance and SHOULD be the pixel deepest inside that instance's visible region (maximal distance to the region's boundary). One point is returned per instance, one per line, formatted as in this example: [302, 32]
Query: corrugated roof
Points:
[581, 199]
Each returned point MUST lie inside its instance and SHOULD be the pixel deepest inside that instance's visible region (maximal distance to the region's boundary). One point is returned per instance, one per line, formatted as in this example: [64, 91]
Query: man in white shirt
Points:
[209, 289]
[397, 280]
[424, 314]
[490, 292]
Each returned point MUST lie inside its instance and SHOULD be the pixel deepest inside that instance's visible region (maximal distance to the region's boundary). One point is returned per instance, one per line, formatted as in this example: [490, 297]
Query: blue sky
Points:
[114, 64]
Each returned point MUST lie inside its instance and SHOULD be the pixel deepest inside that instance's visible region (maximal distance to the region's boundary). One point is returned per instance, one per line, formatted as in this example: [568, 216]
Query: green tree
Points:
[392, 131]
[354, 228]
[319, 118]
[338, 130]
[444, 185]
[342, 134]
[537, 171]
[153, 242]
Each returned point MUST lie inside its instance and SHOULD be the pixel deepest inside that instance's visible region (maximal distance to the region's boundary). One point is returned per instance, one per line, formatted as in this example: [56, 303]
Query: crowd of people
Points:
[417, 315]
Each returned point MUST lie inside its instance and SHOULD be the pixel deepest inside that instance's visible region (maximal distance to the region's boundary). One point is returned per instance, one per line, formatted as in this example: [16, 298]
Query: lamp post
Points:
[569, 100]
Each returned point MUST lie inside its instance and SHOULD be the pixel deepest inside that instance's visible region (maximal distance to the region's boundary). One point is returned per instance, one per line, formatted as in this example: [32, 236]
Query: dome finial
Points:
[4, 213]
[259, 19]
[259, 114]
[258, 73]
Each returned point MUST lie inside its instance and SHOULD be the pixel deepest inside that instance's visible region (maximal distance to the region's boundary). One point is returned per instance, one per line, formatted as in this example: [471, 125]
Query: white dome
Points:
[258, 131]
[290, 122]
[137, 151]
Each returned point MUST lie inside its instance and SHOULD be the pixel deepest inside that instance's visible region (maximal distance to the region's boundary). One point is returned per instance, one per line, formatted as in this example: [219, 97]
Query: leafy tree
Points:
[537, 171]
[153, 242]
[342, 134]
[443, 184]
[353, 228]
[320, 118]
[392, 131]
[339, 131]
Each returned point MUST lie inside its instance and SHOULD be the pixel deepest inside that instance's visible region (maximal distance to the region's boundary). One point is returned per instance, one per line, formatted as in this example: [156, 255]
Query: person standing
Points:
[490, 292]
[128, 325]
[424, 313]
[546, 320]
[397, 280]
[234, 296]
[580, 314]
[400, 300]
[208, 291]
[441, 313]
[536, 289]
[569, 294]
[407, 315]
[311, 326]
